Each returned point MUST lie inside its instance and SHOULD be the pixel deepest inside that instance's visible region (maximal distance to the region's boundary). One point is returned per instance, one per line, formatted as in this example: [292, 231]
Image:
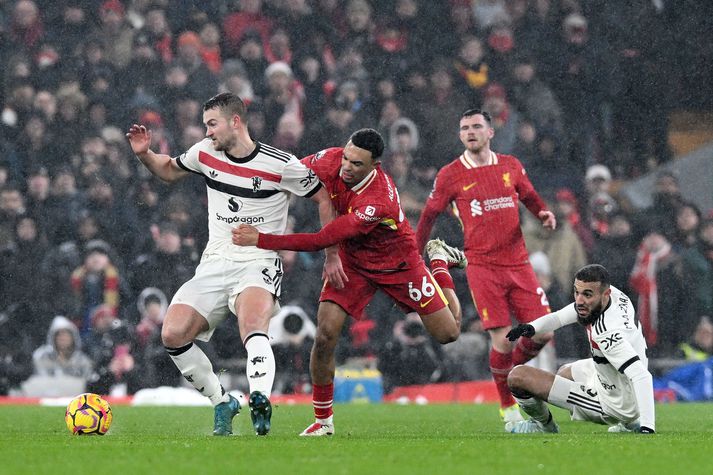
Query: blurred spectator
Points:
[157, 34]
[698, 271]
[561, 246]
[166, 266]
[15, 349]
[568, 205]
[616, 250]
[26, 29]
[285, 94]
[95, 283]
[201, 82]
[38, 194]
[661, 303]
[155, 365]
[252, 55]
[688, 220]
[700, 346]
[436, 110]
[110, 346]
[117, 35]
[574, 70]
[64, 208]
[533, 97]
[116, 218]
[62, 355]
[473, 71]
[506, 120]
[249, 18]
[359, 25]
[467, 357]
[667, 198]
[410, 357]
[210, 47]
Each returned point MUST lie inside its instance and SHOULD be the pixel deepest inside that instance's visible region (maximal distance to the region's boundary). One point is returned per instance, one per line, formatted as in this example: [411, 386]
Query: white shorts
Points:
[580, 397]
[213, 289]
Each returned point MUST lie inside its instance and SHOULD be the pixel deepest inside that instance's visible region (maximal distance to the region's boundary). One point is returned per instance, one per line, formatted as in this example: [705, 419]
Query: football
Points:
[88, 414]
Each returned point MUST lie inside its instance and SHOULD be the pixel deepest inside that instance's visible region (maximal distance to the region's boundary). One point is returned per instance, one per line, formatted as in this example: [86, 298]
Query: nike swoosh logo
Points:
[423, 304]
[468, 187]
[333, 195]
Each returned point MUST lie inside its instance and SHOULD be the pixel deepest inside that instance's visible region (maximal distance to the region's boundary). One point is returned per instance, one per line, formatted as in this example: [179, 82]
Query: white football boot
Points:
[454, 257]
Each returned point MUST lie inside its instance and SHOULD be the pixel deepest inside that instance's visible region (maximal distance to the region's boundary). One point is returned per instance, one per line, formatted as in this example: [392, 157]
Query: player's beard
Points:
[223, 146]
[592, 317]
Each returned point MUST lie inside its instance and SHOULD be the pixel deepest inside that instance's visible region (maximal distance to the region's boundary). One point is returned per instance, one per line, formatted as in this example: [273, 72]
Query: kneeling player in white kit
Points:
[613, 387]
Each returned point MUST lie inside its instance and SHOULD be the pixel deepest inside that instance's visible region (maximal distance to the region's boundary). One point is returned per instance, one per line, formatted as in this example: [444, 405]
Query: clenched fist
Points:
[245, 235]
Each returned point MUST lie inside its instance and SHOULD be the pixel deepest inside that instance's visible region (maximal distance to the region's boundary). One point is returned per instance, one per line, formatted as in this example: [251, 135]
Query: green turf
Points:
[370, 439]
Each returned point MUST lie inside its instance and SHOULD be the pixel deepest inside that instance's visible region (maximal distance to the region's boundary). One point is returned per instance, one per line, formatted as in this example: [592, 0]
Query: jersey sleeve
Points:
[323, 162]
[437, 201]
[188, 160]
[552, 321]
[624, 358]
[298, 179]
[526, 191]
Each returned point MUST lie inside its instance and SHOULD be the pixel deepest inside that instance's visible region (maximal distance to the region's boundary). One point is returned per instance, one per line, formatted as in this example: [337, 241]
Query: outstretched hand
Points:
[139, 138]
[548, 219]
[245, 235]
[526, 330]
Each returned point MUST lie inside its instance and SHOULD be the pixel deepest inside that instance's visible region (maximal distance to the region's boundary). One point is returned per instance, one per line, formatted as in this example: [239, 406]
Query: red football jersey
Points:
[371, 229]
[486, 202]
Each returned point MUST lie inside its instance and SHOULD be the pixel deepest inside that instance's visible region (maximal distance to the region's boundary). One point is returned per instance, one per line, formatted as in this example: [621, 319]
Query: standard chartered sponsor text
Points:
[240, 219]
[498, 203]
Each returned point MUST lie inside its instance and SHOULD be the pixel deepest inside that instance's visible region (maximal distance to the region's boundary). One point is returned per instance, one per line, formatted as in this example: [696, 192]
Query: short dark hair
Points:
[594, 273]
[369, 139]
[472, 112]
[227, 103]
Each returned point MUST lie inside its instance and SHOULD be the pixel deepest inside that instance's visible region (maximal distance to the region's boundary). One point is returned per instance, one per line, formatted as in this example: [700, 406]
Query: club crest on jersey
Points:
[318, 155]
[257, 181]
[234, 205]
[506, 179]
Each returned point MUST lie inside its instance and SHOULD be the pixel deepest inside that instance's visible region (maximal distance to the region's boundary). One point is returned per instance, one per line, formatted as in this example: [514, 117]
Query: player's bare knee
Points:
[517, 379]
[174, 337]
[325, 343]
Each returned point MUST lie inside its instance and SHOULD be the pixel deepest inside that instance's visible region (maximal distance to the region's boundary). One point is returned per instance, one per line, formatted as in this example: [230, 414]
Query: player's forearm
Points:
[553, 321]
[642, 383]
[160, 165]
[327, 214]
[331, 234]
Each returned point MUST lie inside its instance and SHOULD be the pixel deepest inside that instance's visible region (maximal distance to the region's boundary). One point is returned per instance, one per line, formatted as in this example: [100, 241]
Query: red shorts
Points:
[414, 290]
[499, 292]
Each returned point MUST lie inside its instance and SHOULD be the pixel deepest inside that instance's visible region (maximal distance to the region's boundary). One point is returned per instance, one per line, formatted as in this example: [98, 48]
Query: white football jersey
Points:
[251, 190]
[616, 341]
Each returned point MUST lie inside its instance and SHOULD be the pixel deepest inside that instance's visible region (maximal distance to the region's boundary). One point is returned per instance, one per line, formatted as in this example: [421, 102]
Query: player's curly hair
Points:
[594, 273]
[228, 103]
[369, 139]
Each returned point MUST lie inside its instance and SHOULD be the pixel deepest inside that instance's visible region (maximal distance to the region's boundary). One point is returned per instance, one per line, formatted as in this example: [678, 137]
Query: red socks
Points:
[439, 269]
[322, 400]
[525, 350]
[500, 367]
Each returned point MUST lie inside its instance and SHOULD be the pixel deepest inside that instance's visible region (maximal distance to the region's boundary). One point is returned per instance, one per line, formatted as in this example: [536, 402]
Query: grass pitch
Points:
[370, 439]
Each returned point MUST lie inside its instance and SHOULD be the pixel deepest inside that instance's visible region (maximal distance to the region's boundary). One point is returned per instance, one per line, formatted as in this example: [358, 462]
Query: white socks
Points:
[195, 366]
[260, 368]
[535, 408]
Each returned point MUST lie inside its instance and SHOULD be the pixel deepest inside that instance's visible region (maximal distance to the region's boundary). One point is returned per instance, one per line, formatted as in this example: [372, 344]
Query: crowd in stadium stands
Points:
[92, 247]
